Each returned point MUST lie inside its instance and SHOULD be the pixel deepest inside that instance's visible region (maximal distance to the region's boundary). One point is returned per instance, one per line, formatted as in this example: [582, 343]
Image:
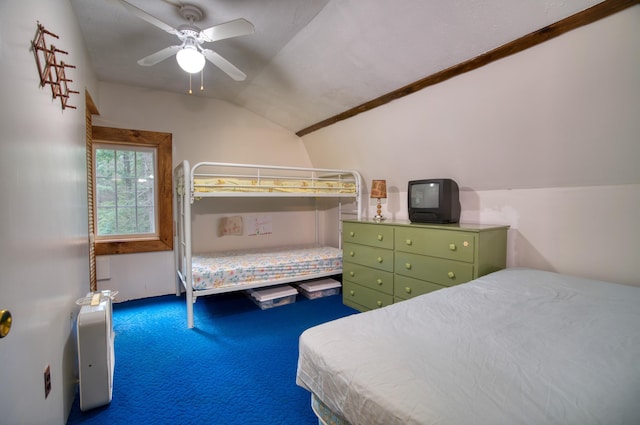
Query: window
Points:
[132, 191]
[125, 191]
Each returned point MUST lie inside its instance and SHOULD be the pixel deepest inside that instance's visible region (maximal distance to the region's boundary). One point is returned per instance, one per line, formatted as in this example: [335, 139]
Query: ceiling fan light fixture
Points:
[190, 59]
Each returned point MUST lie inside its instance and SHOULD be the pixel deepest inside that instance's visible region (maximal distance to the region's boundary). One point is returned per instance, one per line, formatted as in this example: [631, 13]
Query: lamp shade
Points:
[190, 59]
[379, 189]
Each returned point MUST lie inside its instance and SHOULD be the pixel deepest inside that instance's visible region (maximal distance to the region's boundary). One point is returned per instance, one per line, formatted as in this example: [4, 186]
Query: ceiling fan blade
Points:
[229, 29]
[224, 65]
[159, 56]
[151, 19]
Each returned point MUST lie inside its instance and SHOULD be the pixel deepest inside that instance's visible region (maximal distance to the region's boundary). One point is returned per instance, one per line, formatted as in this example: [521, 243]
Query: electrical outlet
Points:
[47, 381]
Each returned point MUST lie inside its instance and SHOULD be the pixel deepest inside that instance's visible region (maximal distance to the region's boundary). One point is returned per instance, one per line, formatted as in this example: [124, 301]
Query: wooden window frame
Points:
[163, 144]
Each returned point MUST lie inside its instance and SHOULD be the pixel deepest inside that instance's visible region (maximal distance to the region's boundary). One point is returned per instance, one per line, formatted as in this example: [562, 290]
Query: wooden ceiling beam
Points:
[585, 17]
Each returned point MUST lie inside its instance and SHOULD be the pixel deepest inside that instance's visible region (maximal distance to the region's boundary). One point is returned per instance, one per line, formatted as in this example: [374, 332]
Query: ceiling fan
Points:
[190, 54]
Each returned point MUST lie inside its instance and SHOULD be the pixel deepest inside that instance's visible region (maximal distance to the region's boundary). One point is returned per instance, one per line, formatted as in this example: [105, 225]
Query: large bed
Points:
[223, 270]
[518, 346]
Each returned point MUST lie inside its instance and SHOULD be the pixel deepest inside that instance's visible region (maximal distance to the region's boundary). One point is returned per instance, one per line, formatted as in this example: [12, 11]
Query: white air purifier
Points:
[96, 357]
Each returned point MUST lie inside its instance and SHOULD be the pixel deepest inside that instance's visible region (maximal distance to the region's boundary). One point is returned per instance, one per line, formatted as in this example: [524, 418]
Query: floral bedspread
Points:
[235, 268]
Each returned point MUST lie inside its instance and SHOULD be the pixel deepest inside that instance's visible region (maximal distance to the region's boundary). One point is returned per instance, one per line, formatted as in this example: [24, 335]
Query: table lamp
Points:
[379, 191]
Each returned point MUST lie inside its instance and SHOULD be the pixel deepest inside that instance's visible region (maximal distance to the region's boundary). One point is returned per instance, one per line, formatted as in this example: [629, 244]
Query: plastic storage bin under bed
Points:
[319, 288]
[273, 297]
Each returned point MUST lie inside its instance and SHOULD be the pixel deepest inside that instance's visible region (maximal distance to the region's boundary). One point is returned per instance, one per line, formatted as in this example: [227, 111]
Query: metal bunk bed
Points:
[227, 180]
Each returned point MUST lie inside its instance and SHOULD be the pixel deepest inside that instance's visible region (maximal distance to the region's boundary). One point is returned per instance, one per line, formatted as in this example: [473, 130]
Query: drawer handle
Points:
[452, 247]
[352, 234]
[380, 237]
[451, 275]
[352, 274]
[379, 303]
[379, 281]
[379, 259]
[352, 292]
[351, 253]
[407, 266]
[409, 242]
[407, 289]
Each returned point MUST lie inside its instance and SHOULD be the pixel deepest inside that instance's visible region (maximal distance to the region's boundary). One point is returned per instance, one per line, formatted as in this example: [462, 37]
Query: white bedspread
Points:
[515, 347]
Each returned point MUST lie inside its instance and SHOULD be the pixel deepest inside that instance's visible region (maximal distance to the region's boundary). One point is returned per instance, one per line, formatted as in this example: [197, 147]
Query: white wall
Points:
[43, 214]
[546, 141]
[203, 130]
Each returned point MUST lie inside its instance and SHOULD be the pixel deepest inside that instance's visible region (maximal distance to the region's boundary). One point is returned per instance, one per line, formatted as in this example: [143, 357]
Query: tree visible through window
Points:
[125, 190]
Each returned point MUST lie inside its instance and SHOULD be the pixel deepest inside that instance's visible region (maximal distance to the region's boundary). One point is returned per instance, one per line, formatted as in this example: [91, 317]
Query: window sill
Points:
[130, 247]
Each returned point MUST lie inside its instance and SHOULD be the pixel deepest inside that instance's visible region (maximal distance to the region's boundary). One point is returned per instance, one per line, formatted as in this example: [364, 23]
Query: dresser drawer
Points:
[436, 270]
[379, 280]
[365, 297]
[368, 234]
[369, 256]
[452, 245]
[408, 287]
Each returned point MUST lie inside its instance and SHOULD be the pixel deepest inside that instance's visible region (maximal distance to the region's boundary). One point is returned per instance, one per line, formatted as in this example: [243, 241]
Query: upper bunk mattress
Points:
[283, 185]
[513, 347]
[251, 267]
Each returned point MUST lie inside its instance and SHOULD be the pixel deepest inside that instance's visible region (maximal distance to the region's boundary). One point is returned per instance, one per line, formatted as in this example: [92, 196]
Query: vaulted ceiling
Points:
[310, 60]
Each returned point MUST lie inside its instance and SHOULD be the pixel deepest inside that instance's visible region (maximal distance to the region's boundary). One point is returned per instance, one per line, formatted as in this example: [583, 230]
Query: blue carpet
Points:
[237, 366]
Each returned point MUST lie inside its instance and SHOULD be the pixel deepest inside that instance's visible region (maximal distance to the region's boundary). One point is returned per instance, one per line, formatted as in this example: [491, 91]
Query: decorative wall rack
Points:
[51, 71]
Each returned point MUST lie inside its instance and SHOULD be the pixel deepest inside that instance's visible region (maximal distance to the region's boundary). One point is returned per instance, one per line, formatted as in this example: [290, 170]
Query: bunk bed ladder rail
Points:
[182, 230]
[356, 211]
[342, 213]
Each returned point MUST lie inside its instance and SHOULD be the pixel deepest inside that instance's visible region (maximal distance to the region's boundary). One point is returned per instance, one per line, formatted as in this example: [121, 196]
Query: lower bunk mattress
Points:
[230, 269]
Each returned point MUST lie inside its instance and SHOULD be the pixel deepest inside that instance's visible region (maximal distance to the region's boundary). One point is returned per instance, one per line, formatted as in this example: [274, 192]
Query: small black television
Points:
[433, 201]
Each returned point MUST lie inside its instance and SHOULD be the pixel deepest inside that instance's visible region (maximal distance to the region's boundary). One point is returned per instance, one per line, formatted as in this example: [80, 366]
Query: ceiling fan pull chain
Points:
[202, 80]
[190, 92]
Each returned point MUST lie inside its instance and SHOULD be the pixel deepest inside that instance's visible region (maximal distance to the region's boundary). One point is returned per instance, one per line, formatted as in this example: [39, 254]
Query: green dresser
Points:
[393, 261]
